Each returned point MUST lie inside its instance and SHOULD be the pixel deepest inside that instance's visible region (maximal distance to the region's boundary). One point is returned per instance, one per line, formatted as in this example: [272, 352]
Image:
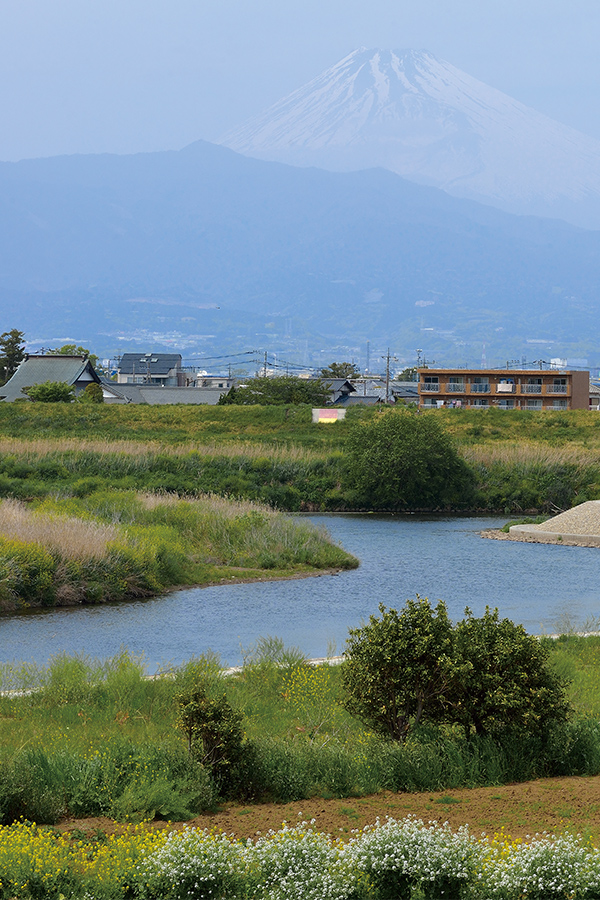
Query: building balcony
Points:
[556, 389]
[531, 388]
[455, 387]
[480, 388]
[505, 388]
[430, 387]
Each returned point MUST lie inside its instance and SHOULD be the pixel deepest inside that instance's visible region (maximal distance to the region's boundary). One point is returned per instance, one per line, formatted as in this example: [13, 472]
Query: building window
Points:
[534, 404]
[506, 404]
[480, 401]
[559, 404]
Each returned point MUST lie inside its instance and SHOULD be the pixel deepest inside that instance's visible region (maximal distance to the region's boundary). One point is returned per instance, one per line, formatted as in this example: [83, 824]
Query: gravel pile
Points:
[577, 527]
[583, 519]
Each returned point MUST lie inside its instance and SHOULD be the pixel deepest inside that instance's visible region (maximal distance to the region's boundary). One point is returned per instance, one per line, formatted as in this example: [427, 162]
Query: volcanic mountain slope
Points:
[428, 121]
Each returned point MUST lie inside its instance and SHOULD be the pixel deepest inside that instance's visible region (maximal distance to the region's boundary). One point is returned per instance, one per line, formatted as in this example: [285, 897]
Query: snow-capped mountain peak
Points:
[428, 121]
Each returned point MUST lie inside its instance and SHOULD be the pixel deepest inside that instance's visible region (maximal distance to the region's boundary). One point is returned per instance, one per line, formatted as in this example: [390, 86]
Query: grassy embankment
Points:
[522, 460]
[99, 739]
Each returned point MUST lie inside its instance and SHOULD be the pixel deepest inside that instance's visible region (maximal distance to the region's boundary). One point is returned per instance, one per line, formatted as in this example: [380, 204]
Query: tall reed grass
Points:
[533, 476]
[72, 538]
[116, 544]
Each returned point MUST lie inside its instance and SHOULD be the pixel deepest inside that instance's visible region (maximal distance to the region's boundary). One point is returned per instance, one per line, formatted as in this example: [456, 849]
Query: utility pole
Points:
[265, 366]
[387, 358]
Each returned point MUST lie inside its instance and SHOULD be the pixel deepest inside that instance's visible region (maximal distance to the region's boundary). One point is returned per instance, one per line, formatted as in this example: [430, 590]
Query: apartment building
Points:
[505, 389]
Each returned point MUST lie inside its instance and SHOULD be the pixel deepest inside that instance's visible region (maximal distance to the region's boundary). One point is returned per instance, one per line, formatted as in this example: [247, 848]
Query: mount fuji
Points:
[433, 124]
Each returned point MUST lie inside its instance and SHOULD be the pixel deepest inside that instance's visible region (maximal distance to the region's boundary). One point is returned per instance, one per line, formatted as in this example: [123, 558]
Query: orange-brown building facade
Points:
[504, 389]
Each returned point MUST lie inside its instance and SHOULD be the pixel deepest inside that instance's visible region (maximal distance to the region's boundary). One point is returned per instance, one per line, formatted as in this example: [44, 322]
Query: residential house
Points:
[151, 368]
[159, 395]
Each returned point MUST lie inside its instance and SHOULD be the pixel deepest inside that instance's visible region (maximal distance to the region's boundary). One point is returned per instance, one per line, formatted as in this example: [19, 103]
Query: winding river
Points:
[536, 584]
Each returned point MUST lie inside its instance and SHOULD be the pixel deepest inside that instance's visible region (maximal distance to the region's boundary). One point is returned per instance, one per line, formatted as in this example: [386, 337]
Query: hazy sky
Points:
[85, 76]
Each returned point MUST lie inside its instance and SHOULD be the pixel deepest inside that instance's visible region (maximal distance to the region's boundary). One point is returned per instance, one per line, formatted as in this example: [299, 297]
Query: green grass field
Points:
[99, 738]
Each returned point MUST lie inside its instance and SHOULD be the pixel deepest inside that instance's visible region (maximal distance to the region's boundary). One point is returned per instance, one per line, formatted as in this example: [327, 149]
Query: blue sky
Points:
[87, 76]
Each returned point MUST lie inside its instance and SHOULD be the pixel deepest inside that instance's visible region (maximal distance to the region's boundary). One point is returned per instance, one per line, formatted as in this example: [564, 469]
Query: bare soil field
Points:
[553, 805]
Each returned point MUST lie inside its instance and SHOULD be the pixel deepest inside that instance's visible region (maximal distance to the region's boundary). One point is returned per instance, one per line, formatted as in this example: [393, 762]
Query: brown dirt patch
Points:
[551, 804]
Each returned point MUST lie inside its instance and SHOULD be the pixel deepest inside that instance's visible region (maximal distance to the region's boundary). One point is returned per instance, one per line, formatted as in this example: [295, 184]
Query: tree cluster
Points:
[485, 674]
[285, 390]
[340, 370]
[405, 460]
[12, 352]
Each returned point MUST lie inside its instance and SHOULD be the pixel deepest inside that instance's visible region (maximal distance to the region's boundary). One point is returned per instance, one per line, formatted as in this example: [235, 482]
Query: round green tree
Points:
[400, 669]
[405, 460]
[507, 686]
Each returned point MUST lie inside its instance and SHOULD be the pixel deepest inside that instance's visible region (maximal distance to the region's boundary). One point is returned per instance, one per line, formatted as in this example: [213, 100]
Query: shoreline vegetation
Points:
[85, 737]
[117, 545]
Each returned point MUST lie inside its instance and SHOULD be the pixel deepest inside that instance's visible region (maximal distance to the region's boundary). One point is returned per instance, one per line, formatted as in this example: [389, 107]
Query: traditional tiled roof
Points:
[157, 395]
[73, 370]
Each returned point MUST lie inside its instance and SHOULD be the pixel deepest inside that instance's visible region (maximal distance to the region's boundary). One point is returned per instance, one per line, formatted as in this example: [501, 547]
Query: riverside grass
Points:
[521, 460]
[84, 737]
[113, 545]
[392, 860]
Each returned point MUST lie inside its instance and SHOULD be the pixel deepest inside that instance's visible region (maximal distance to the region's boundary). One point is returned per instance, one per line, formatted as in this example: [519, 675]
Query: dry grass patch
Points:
[72, 538]
[30, 450]
[529, 455]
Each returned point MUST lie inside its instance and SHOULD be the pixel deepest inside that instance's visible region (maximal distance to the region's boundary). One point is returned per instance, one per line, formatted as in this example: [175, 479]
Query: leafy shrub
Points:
[506, 686]
[92, 394]
[399, 668]
[485, 674]
[214, 733]
[50, 392]
[402, 460]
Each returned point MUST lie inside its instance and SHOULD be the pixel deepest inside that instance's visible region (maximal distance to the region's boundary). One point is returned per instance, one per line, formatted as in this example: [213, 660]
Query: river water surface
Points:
[535, 584]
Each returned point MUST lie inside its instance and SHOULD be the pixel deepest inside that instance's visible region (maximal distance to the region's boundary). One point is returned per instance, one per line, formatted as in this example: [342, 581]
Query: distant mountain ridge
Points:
[206, 251]
[429, 122]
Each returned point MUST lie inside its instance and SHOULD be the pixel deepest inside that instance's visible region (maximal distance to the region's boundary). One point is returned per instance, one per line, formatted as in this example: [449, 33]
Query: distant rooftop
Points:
[149, 363]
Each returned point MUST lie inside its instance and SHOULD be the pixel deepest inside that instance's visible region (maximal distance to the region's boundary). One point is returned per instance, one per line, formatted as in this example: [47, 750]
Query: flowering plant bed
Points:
[404, 860]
